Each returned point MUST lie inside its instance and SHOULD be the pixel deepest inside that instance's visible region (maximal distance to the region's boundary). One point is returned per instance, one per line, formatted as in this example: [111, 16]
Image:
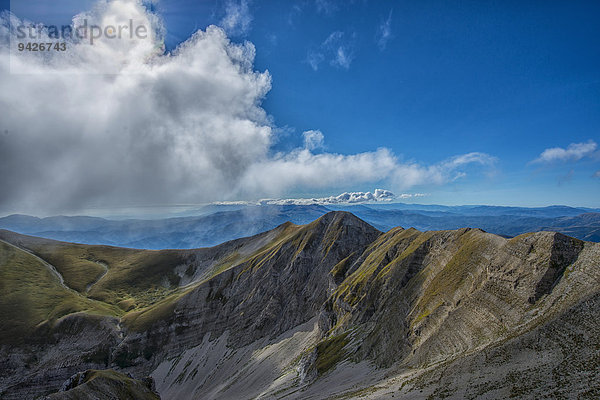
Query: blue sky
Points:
[428, 80]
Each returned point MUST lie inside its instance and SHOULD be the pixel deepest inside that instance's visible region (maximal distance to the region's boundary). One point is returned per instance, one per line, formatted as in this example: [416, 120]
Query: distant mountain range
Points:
[334, 309]
[216, 224]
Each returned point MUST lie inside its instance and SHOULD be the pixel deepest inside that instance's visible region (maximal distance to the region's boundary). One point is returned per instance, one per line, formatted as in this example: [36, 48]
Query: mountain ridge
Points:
[332, 297]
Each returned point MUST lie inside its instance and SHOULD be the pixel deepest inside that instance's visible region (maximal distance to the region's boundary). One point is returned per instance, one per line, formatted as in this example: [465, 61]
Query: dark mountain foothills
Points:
[334, 309]
[218, 224]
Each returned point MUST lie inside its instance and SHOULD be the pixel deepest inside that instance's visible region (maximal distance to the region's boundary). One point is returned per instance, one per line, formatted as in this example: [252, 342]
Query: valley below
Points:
[329, 309]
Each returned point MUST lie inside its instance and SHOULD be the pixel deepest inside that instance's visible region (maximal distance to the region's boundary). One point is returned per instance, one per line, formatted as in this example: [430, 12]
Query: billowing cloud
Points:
[345, 198]
[237, 19]
[384, 32]
[573, 152]
[122, 123]
[302, 168]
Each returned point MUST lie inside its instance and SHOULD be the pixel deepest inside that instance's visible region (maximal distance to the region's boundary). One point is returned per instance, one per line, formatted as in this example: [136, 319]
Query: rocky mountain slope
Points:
[331, 309]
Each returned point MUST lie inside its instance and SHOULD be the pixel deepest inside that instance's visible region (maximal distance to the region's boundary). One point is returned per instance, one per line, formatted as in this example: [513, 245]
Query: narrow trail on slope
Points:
[117, 319]
[51, 267]
[105, 267]
[58, 274]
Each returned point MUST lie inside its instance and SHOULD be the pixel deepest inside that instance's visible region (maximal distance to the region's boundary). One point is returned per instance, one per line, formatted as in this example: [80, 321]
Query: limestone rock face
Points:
[331, 308]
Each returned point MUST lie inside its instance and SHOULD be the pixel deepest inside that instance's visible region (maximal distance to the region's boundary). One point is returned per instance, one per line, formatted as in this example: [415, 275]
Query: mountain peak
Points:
[342, 218]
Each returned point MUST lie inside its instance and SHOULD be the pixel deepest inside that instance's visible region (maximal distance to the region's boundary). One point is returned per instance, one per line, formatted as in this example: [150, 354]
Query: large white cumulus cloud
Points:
[121, 122]
[177, 127]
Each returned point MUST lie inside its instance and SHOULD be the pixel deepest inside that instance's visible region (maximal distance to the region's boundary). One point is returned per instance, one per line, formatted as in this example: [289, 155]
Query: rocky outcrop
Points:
[105, 385]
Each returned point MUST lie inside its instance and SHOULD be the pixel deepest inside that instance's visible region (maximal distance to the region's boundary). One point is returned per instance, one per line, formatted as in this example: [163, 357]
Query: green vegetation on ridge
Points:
[32, 295]
[135, 278]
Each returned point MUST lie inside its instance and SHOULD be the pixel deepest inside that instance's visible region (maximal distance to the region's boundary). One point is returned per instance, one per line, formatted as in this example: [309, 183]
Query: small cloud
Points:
[326, 6]
[341, 50]
[336, 48]
[314, 59]
[237, 19]
[573, 152]
[342, 58]
[411, 195]
[459, 175]
[596, 174]
[295, 11]
[333, 38]
[313, 140]
[468, 158]
[384, 32]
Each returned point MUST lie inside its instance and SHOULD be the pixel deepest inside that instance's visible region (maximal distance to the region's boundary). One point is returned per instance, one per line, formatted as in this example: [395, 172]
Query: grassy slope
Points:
[75, 264]
[32, 294]
[135, 278]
